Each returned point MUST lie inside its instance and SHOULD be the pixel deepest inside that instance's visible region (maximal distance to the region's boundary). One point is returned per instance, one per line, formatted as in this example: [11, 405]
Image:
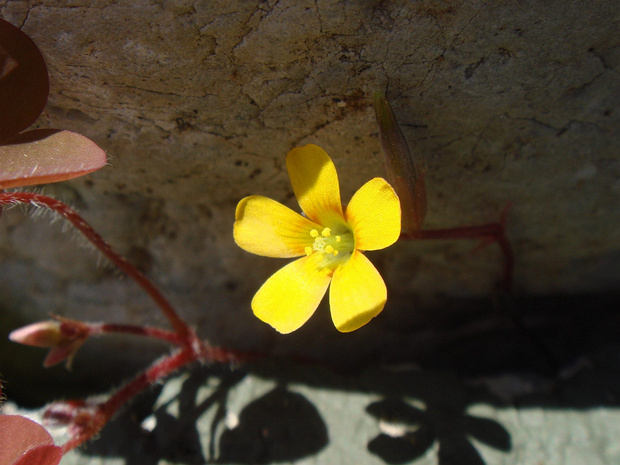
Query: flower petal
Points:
[266, 227]
[357, 293]
[374, 215]
[289, 298]
[315, 183]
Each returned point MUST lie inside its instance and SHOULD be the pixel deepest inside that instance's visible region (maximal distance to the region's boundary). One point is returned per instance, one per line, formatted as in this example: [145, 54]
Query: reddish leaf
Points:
[44, 155]
[25, 442]
[24, 84]
[42, 455]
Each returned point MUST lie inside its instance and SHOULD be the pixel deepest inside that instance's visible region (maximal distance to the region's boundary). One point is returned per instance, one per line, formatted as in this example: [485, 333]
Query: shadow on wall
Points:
[398, 414]
[285, 426]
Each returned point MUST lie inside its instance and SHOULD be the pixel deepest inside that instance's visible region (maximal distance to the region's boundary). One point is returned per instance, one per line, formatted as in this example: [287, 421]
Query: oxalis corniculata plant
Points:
[329, 239]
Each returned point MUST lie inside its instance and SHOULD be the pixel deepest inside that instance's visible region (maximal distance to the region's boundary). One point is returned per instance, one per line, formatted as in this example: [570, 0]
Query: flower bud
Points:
[406, 177]
[41, 334]
[63, 337]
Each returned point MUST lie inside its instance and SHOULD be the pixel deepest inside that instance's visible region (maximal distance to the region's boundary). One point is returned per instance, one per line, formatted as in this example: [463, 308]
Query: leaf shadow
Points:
[160, 424]
[279, 410]
[278, 426]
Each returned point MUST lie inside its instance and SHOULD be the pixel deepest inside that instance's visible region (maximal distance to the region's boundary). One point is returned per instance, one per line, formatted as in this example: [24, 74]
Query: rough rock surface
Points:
[198, 102]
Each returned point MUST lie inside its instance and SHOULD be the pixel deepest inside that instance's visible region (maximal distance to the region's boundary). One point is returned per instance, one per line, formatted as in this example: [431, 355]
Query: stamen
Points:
[329, 247]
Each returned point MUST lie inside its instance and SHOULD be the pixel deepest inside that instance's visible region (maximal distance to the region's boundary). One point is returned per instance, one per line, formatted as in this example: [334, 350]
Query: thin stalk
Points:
[157, 371]
[39, 200]
[105, 411]
[147, 331]
[491, 232]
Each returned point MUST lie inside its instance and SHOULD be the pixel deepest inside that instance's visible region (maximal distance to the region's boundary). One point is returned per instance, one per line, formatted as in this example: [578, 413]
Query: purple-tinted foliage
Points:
[25, 442]
[41, 155]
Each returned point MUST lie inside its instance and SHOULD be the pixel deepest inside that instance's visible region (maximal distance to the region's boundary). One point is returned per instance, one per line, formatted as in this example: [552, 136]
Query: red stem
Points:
[148, 331]
[484, 231]
[492, 232]
[193, 349]
[157, 371]
[12, 198]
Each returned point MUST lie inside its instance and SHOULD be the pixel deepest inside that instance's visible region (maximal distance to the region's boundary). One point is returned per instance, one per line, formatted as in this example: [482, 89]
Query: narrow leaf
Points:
[406, 178]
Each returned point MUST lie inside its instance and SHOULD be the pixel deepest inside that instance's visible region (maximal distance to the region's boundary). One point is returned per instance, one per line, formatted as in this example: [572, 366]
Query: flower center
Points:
[331, 245]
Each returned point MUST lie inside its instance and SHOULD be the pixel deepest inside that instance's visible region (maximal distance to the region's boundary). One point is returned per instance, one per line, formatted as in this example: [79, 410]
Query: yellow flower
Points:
[329, 241]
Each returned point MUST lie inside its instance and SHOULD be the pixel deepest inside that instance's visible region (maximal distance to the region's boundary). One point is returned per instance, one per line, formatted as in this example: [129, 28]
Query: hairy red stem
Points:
[157, 371]
[493, 232]
[39, 200]
[105, 411]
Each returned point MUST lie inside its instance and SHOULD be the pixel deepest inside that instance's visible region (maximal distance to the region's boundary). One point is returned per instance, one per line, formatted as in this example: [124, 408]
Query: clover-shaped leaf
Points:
[47, 155]
[25, 442]
[41, 155]
[24, 84]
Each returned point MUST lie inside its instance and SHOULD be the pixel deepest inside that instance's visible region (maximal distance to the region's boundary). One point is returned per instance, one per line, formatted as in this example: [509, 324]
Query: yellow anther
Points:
[330, 246]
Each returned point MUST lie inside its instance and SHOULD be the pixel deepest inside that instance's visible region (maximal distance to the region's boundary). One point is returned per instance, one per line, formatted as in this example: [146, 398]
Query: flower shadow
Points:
[408, 432]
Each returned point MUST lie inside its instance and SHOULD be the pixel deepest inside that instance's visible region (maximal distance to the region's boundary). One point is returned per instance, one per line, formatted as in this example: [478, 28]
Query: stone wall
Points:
[198, 102]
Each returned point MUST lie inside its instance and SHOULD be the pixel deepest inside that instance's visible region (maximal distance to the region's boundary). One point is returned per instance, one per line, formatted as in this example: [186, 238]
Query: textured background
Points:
[198, 102]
